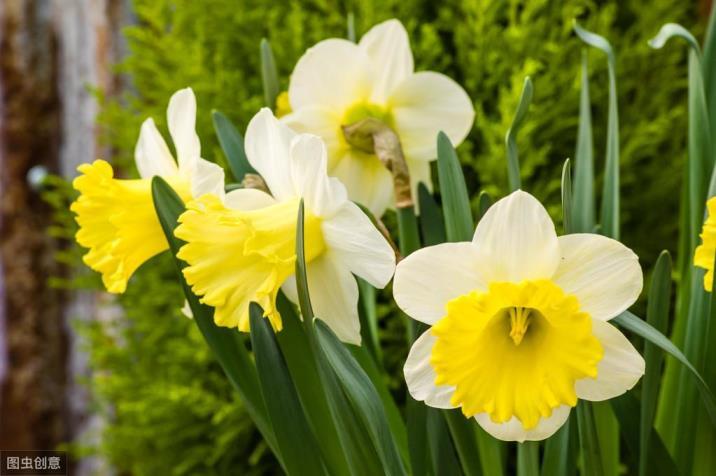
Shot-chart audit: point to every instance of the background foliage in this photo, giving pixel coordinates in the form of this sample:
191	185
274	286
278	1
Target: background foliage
168	405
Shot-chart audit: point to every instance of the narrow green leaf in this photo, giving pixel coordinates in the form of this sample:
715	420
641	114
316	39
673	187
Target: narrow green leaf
464	437
657	315
418	437
513	163
610	193
442	452
456	204
671	30
432	222
556	453
227	344
363	396
491	451
528	458
351	27
304	299
232	143
368	314
269	75
632	323
626	408
584	205
296	442
710	70
589	440
567	197
608	434
484	201
408	234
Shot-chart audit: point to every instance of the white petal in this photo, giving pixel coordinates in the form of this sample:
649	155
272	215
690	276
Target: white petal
186	310
207	177
334	73
151	154
517	239
290	289
355	241
420	376
425	104
388	47
618	371
427	279
248	199
320	121
514	431
334	296
368	182
181	117
322	195
267	145
604	274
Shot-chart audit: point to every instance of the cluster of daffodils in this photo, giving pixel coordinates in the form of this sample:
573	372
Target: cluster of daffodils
519	317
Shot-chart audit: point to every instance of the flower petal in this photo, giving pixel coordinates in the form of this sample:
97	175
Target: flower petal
322	195
514	431
334	73
334	296
517	240
181	117
427	279
420	376
604	274
388	47
207	177
267	148
248	199
151	154
368	182
618	371
320	121
355	241
425	104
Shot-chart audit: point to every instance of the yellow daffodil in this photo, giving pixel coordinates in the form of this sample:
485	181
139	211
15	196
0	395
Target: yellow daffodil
519	321
116	217
706	251
338	83
242	248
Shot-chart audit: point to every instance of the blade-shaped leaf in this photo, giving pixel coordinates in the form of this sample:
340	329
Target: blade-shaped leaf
567	197
528	458
432	222
232	143
484	201
296	442
227	344
556	453
589	440
456	204
465	439
513	162
657	315
583	205
269	74
442	453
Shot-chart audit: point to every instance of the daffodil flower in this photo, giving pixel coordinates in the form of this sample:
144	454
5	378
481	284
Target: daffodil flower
519	321
338	83
116	217
242	249
706	251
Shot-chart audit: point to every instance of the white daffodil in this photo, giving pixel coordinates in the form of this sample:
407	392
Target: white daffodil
338	83
519	321
116	217
242	249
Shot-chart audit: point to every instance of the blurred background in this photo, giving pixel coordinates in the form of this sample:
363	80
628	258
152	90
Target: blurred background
125	383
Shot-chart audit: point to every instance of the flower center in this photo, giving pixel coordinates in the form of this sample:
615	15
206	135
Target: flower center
246	257
515	350
117	222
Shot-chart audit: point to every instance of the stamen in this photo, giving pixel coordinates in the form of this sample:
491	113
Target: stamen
520	318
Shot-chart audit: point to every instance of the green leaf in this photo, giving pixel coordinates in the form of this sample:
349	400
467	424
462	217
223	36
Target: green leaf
632	323
583	205
626	408
556	452
484	201
608	434
464	438
567	197
432	222
297	444
657	315
528	458
304	299
368	315
232	143
491	451
408	234
589	440
513	163
442	453
269	75
709	69
610	192
227	344
456	204
362	396
351	27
